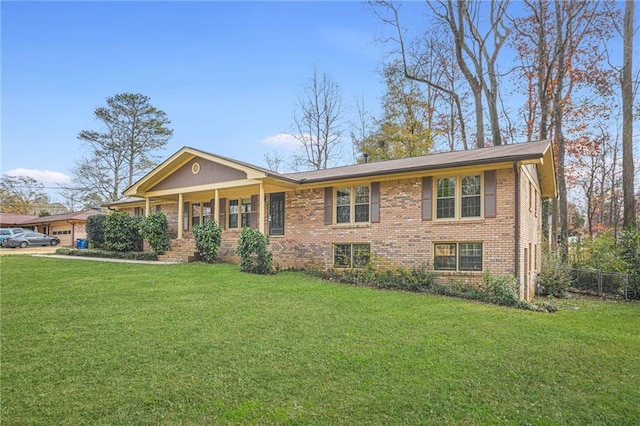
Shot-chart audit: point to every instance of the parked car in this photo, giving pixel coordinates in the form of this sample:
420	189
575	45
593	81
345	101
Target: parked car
9	232
30	239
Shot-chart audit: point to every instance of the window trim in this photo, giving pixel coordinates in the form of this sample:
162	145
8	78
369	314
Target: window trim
352	255
241	215
458	256
352	204
458	196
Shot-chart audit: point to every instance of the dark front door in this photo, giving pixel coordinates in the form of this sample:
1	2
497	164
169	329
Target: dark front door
276	214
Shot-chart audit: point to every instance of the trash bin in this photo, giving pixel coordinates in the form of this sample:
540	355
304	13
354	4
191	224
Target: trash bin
81	243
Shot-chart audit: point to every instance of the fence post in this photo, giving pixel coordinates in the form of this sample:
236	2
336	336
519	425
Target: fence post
599	282
626	285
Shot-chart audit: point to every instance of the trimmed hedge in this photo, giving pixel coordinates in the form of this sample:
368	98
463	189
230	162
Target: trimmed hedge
106	254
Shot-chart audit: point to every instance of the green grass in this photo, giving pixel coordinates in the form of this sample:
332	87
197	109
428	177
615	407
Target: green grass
104	343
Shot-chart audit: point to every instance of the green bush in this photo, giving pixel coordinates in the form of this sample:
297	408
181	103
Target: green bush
155	230
501	290
554	278
94	226
630	254
255	258
416	279
106	254
121	232
208	238
600	252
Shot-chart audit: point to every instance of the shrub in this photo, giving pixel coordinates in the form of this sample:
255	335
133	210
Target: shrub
554	278
630	254
600	252
155	230
254	255
128	255
121	232
208	238
501	290
418	278
94	226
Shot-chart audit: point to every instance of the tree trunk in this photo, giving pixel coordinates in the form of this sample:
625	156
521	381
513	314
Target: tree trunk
629	219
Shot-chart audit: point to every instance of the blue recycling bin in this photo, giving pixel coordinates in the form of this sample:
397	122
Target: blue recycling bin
81	243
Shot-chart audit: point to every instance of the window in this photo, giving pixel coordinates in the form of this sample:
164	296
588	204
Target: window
240	213
352	204
195	214
206	212
351	255
138	211
233	213
468	196
457	256
446	204
246	212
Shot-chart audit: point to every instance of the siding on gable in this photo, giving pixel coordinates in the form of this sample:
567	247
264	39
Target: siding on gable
210	172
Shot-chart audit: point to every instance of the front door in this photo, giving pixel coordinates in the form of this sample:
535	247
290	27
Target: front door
276	214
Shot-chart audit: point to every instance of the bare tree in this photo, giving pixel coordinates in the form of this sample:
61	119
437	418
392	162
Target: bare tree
318	123
22	195
476	55
429	63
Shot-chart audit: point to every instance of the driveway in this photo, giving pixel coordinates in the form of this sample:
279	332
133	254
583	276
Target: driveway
28	250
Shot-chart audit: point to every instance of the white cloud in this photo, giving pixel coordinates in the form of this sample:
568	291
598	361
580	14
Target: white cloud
49	178
282	140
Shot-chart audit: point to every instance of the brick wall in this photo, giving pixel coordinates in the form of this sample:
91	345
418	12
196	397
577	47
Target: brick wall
401	237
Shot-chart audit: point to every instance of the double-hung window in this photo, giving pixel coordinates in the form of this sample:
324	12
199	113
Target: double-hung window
239	213
353	204
457	256
233	214
351	255
458	197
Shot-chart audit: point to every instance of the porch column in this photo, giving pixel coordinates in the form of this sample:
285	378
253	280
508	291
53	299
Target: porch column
180	215
147	206
216	206
261	209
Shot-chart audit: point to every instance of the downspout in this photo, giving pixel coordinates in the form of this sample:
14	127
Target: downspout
517	222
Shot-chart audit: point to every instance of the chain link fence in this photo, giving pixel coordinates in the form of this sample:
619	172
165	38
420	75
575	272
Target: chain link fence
601	283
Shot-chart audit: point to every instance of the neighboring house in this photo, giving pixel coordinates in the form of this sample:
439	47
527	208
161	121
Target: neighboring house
12	220
67	227
462	212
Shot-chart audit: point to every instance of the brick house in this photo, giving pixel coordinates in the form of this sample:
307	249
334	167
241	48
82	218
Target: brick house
463	212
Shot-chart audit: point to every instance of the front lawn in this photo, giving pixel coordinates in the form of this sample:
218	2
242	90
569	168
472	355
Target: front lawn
104	343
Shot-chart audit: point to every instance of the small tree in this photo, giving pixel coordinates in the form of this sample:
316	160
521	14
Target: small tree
94	227
252	249
208	238
121	232
155	230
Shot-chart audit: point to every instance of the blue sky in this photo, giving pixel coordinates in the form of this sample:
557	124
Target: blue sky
226	73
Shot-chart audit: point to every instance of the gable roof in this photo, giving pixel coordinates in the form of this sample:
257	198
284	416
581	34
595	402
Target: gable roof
186	154
539	153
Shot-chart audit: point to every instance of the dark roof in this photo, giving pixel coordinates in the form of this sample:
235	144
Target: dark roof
480	156
77	216
11	219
